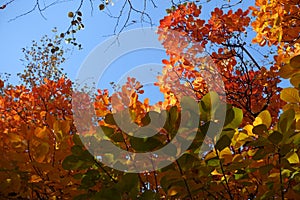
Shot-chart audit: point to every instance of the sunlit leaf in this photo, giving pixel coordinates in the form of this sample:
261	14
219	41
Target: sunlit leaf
263	117
290	95
292	157
295	80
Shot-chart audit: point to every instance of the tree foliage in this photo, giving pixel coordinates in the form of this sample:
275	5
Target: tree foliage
252	154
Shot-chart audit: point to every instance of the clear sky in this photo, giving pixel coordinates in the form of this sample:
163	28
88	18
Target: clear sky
18	33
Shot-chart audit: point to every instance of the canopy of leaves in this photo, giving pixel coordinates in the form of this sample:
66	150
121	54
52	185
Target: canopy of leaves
252	154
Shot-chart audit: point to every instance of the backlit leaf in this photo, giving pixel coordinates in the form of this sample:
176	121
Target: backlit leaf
263	117
295	62
292	157
290	95
223	142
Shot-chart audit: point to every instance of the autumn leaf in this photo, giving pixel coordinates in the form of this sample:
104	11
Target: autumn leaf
290	95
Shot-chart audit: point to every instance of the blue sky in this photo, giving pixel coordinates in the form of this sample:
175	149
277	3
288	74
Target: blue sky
18	33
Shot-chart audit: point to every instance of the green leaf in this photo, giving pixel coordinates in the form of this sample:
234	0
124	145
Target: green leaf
187	161
107	130
146	119
149	195
145	145
189	104
78	176
107	194
237	120
77	140
286	148
297	188
170	179
296	138
292	157
259	142
128	183
210	100
77	150
71	162
275	137
173	114
89	179
239	176
260	130
228	132
171	150
215	162
214	129
82	197
259	154
265	169
286	119
290	95
223	142
229	116
109	119
117	137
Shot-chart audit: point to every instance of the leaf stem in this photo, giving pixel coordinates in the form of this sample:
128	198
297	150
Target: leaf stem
280	177
184	179
106	172
223	172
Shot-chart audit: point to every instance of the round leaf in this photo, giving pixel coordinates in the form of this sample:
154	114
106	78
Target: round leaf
101	7
70	14
290	95
295	80
295	62
263	118
286	71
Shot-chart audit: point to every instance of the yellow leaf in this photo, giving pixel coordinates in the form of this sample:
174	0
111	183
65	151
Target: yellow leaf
295	62
249	128
41	132
16	117
226	151
35	178
274	175
242	136
295	80
210	155
298	124
226	155
41	152
174	190
215	172
43	113
293	158
290	95
263	118
257	121
286	71
238	158
14	137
